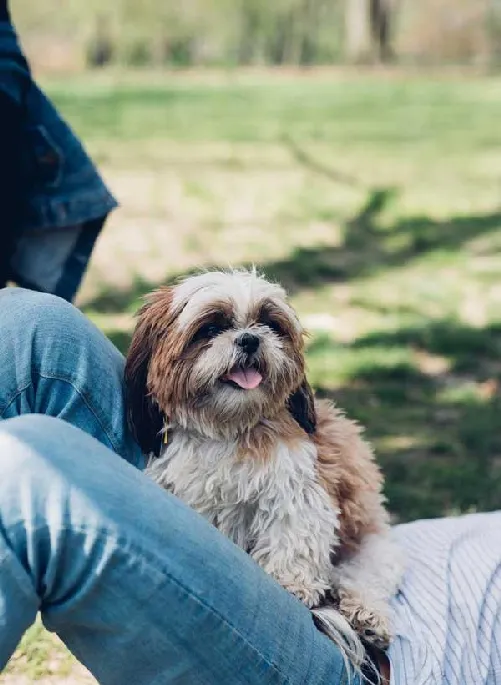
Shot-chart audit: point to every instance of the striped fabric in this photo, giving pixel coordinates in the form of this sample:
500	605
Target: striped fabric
448	613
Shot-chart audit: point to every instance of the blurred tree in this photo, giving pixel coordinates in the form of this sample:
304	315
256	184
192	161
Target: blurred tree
446	31
368	30
381	19
251	22
494	30
100	47
358	39
296	32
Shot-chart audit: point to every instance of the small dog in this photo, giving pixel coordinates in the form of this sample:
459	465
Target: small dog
217	392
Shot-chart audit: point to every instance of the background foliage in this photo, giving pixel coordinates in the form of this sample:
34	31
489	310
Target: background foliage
250	32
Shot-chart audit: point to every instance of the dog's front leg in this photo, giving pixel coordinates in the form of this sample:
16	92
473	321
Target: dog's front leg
293	534
365	584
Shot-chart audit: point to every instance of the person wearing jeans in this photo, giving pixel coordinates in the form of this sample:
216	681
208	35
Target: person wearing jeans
140	587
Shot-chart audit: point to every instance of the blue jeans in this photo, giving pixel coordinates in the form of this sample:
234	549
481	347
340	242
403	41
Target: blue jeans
65	200
138	586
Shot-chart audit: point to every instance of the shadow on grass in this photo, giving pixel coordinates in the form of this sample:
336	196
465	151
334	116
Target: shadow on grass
304	158
367	249
437	434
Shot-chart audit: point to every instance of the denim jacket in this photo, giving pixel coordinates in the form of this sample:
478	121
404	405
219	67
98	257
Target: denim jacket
66	201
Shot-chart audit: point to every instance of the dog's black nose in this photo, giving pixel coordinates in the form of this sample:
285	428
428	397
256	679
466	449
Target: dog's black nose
248	342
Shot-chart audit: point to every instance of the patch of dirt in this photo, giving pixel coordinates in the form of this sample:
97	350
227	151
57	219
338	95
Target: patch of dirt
78	676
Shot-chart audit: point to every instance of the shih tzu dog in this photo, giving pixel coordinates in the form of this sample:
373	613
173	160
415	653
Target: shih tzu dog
218	396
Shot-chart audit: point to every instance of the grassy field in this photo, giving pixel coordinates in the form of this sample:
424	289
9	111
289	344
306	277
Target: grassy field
376	199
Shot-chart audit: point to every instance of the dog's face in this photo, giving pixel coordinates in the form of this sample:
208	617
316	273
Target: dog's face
218	353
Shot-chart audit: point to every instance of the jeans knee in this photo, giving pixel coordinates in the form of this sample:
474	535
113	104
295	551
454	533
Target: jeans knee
22	309
21	296
44	333
17	456
30	445
55	361
41	335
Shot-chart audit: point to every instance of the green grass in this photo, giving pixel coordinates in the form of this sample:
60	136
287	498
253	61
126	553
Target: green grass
40	655
375	199
349	110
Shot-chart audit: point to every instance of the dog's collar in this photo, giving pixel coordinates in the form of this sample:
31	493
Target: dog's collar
165	431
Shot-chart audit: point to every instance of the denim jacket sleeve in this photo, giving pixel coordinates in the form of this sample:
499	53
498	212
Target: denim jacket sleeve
61	186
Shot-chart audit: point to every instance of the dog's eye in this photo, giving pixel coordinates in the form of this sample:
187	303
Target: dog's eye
207	332
212	331
273	325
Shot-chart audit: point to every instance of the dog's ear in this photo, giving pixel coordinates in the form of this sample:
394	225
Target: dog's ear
301	405
143	414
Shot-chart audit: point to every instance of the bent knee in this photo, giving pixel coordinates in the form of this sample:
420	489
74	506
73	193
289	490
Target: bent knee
20	307
18	452
31	441
43	331
15	296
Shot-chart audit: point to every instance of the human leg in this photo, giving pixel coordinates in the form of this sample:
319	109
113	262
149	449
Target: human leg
141	588
54	361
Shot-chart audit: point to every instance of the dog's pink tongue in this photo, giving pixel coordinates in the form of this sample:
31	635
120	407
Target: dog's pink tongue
248	379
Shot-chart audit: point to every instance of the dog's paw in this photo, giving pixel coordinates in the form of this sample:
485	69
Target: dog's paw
307	587
309	596
371	624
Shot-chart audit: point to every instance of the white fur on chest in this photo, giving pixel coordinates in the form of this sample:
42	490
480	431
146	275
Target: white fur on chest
263	505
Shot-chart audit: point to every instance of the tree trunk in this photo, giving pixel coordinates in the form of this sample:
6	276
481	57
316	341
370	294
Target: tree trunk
358	31
368	30
380	18
309	39
249	29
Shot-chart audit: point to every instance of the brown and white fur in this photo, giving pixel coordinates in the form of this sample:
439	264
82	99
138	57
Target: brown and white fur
287	478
